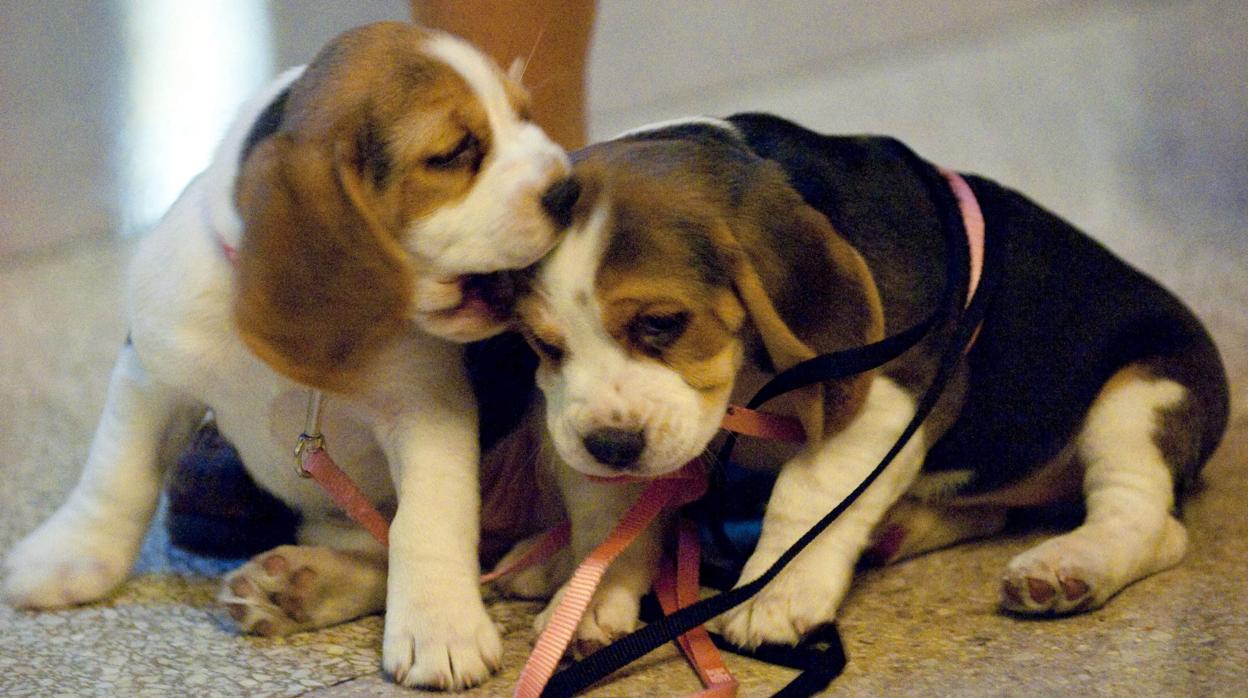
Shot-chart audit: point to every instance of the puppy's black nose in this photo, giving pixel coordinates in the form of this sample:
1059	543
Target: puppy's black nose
617	448
559	200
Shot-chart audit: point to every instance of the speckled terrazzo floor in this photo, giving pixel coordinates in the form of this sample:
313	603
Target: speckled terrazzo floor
925	627
1124	116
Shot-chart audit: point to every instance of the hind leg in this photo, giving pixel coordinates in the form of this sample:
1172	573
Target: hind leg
913	527
86	548
1129	532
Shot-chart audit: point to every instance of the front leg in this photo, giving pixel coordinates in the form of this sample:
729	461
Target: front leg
88	546
594	509
808	591
437	632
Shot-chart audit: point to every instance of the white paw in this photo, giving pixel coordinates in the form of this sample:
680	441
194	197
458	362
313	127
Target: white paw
800	599
1061	575
68	561
441	640
611	614
270	595
293	588
1081	570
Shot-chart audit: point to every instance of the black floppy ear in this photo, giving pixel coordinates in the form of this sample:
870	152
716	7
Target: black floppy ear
807	291
322	287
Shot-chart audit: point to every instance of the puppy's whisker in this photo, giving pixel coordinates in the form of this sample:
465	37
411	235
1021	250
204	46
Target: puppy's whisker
535	86
711	457
529	58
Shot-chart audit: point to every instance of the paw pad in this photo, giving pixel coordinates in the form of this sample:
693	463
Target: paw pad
275	564
1039	590
270	596
1031	595
1074	588
242	587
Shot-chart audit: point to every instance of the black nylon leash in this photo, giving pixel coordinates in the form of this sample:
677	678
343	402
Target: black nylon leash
841	364
822	666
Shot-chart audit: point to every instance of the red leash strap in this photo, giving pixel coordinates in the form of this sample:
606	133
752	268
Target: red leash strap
340	488
764	425
320	467
676	587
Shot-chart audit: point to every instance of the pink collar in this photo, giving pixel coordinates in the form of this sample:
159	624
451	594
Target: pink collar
230	251
973	221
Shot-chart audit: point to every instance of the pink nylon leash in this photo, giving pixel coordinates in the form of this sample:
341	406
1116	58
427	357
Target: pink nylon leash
973	222
676	586
763	425
352	501
685	486
345	494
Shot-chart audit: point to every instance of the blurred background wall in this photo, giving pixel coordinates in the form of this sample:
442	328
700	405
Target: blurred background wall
1126	116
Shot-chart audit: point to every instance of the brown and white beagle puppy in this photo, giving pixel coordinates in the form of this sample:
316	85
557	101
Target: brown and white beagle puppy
705	255
338	239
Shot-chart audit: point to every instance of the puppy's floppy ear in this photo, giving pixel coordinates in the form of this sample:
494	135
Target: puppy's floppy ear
806	290
783	347
321	285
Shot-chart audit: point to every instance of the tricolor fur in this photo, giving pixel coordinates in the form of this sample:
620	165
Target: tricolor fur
704	256
363	195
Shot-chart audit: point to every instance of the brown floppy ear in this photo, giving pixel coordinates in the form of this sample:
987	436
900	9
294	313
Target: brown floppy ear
783	347
322	286
807	291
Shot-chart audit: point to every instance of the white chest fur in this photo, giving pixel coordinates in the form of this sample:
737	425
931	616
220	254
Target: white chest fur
179	303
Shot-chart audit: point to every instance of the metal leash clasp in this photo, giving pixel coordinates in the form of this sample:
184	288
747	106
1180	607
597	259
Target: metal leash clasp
311	440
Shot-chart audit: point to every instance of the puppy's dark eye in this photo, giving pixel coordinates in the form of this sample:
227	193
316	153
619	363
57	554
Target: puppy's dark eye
465	155
658	332
548	351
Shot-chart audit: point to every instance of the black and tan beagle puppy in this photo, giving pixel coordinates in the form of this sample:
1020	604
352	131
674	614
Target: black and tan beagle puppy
705	255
